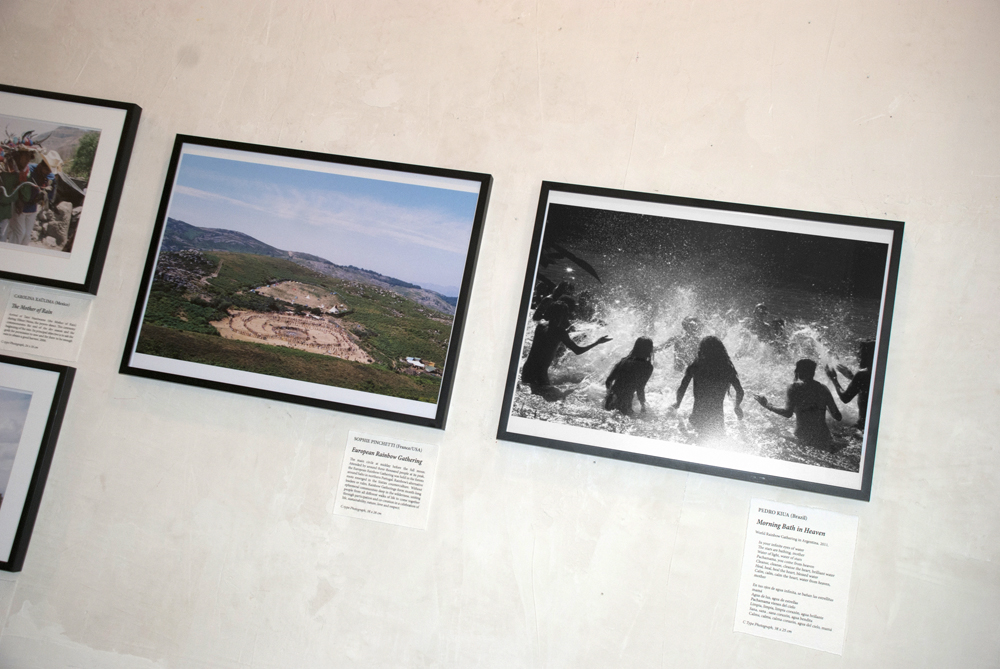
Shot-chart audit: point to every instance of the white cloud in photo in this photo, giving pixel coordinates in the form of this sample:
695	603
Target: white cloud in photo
413	232
358	215
354	214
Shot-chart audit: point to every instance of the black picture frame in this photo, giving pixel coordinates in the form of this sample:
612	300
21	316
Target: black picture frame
354	332
774	286
33	397
66	242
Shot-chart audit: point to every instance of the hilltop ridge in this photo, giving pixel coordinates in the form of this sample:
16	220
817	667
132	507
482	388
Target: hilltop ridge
179	236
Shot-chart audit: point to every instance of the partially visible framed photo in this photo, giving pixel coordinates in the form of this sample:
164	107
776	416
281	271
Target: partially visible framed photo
33	398
727	339
63	164
325	280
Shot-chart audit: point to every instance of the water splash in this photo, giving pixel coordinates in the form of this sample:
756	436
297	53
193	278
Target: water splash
654	303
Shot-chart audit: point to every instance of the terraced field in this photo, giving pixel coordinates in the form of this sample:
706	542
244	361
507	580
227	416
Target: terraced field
240	302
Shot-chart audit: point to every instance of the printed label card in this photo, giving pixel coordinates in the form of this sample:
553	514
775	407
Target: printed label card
43	322
796	578
387	480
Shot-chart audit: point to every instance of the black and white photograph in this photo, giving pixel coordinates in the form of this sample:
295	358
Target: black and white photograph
33	398
63	161
321	279
727	339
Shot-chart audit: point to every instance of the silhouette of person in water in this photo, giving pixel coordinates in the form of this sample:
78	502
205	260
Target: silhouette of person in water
548	335
808	400
860	382
713	373
770	332
685	344
629	377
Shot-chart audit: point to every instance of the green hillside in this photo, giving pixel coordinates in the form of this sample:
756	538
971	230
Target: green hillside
392	326
243	271
186	297
285	363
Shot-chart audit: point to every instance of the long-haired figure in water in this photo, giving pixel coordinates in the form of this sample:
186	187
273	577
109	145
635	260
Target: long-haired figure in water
713	374
628	378
808	400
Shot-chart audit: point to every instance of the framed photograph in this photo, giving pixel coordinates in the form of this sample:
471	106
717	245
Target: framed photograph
325	280
33	399
727	339
63	160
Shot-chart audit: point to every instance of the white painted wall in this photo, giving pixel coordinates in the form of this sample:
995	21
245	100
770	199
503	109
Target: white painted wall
189	528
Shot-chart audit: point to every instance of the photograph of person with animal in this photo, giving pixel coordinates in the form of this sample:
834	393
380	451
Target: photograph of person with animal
729	303
330	280
63	163
44	173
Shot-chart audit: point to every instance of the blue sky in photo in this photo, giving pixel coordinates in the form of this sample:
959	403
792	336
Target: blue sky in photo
414	233
13	412
16	126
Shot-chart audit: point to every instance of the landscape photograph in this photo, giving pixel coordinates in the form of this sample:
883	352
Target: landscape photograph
309	271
